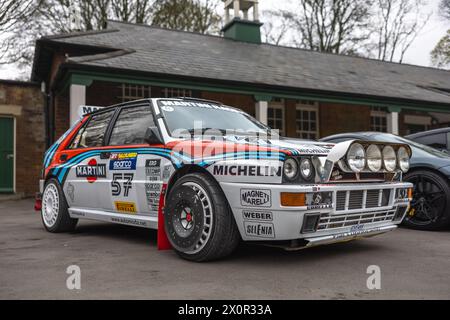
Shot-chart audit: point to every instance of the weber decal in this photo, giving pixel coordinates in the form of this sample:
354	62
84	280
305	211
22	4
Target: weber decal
250	171
91	171
256	198
257	215
126	207
259	229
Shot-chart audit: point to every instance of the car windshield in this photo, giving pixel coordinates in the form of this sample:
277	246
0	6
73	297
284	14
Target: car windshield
419	150
186	116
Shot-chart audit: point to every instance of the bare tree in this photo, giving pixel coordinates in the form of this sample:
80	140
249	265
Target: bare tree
396	25
275	27
440	56
188	15
444	9
329	25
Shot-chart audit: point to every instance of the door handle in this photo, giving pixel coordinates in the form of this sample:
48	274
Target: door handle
63	158
105	155
10	156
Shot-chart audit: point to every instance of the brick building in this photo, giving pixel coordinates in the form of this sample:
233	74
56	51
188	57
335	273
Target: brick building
22	136
302	93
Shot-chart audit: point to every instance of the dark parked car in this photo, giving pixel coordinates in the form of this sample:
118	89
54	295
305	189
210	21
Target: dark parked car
430	174
437	138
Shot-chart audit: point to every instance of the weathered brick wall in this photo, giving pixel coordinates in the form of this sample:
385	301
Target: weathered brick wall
61	113
30	133
338	118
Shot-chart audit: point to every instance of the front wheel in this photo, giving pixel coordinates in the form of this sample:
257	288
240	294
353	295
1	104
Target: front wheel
431	201
54	211
198	220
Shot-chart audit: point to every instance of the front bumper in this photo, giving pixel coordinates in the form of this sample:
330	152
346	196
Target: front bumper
268	220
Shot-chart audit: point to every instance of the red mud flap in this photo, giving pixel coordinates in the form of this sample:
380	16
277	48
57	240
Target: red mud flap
38	202
163	242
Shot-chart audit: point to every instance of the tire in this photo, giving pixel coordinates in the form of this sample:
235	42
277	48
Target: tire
198	220
54	212
431	195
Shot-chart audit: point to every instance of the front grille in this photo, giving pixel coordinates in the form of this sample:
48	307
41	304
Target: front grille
361	199
328	221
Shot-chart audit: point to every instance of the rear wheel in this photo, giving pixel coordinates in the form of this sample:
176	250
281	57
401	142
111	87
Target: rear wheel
198	221
54	211
431	201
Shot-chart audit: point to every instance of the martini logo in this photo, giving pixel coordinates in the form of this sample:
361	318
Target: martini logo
91	171
255	198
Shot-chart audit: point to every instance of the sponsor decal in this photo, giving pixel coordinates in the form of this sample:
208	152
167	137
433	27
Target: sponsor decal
91	171
126	207
153	169
256	198
165	103
259	229
84	110
71	191
123	161
168	108
129	221
250	171
319	200
257	215
78	213
121	181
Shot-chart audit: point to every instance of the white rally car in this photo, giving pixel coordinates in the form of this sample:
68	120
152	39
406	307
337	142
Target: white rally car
207	175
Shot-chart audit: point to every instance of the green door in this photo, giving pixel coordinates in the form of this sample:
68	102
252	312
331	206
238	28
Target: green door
6	155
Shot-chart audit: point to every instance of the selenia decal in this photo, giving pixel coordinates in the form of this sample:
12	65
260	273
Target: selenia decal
256	198
259	229
91	171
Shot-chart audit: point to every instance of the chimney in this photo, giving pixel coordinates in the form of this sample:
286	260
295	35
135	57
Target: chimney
240	27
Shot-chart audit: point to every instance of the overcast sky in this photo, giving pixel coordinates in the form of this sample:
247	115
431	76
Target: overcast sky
419	52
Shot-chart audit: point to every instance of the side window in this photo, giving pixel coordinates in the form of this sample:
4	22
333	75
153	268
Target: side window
131	125
93	133
438	141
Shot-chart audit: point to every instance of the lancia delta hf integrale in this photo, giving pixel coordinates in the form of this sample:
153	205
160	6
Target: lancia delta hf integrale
206	175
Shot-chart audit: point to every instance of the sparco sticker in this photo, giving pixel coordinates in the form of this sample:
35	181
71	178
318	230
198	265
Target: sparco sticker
256	198
259	229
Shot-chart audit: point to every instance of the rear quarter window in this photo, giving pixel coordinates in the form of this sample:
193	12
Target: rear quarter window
93	132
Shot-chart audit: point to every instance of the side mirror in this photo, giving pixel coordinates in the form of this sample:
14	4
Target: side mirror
152	136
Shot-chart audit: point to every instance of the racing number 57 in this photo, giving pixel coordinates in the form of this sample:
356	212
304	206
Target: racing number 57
126	184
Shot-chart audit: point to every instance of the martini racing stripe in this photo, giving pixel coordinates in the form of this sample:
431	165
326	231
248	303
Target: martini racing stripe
62	170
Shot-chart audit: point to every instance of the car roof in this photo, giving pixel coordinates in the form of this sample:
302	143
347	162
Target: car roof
359	135
139	102
428	132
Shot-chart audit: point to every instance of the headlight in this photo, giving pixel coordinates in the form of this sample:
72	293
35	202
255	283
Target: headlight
306	169
374	160
290	168
389	158
403	159
356	157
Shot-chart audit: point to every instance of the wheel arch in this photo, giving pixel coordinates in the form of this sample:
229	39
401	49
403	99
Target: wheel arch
426	168
187	169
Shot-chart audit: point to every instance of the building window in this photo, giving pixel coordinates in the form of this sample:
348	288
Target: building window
307	120
132	92
176	92
275	115
416	123
378	119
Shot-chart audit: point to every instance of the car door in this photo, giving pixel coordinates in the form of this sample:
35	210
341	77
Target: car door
134	165
86	185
